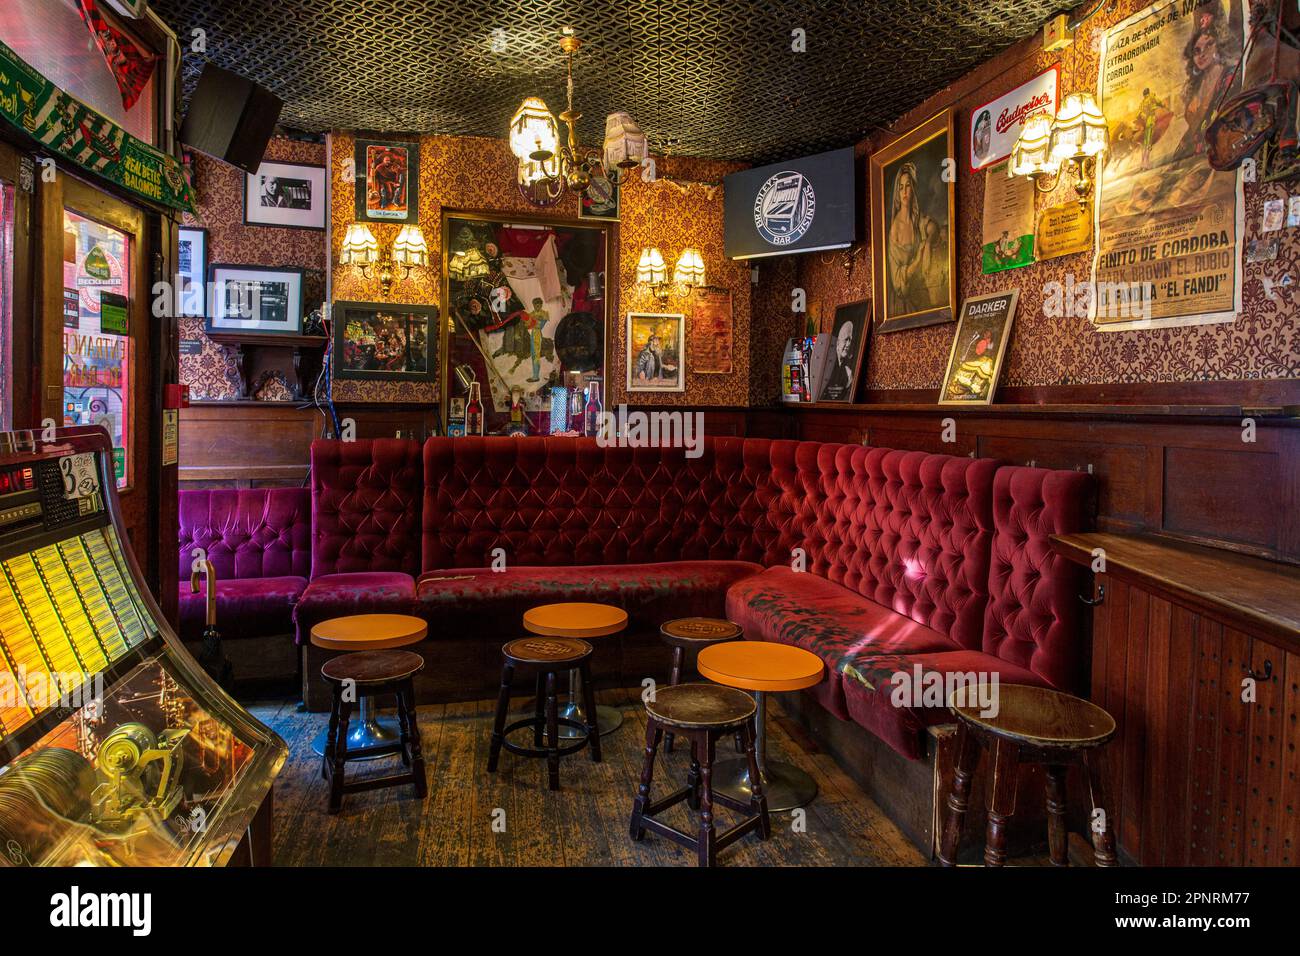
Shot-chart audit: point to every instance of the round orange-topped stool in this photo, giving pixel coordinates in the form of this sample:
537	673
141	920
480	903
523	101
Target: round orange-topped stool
583	621
763	667
367	632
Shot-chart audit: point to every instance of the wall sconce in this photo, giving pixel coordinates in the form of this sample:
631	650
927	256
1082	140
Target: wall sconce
361	251
1072	140
652	272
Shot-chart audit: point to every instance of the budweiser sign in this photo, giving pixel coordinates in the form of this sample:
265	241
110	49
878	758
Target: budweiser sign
995	126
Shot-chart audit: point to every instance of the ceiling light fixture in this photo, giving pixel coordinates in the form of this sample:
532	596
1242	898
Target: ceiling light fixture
550	162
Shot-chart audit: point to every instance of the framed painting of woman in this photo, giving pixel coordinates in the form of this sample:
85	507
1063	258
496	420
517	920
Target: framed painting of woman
913	195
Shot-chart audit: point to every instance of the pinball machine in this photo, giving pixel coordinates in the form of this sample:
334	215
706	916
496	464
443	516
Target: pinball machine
116	748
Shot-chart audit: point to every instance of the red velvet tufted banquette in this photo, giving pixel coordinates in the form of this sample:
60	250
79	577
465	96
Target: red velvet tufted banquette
259	543
875	559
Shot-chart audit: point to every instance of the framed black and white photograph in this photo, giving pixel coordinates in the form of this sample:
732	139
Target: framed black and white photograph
288	195
191	272
261	299
384	341
849	335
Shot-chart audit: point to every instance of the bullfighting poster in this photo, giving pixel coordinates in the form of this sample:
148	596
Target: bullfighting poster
1168	226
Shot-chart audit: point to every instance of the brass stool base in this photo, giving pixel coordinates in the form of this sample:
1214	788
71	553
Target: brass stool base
786	787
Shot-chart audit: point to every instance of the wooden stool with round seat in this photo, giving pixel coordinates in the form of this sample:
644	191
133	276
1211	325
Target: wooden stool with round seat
702	713
763	667
583	621
548	657
365	675
693	634
1032	725
367	632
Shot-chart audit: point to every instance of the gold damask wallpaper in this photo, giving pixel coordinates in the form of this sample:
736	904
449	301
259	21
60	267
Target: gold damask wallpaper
478	175
1263	343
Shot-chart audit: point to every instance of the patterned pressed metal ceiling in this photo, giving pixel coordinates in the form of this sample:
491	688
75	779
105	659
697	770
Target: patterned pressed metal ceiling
714	78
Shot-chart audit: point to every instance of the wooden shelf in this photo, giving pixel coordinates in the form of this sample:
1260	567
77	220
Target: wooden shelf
1274	414
1250	594
268	340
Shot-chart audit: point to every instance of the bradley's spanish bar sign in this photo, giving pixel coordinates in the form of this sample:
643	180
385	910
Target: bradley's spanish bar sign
69	128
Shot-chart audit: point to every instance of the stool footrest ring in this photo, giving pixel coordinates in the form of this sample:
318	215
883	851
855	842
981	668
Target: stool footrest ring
532	722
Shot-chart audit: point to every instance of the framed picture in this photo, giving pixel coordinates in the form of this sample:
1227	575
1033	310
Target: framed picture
656	352
600	200
383	341
849	335
913	196
289	195
388	181
526	307
261	299
711	332
978	348
191	272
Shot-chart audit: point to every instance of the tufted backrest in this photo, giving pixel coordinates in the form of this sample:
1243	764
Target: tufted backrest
252	533
1033	611
567	501
365	506
909	530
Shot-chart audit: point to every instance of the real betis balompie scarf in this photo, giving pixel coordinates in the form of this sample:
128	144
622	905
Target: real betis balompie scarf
132	67
73	130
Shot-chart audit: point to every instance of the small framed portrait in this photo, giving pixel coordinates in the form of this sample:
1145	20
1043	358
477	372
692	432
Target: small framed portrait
191	272
288	195
978	348
261	299
600	200
913	199
388	181
383	341
656	352
843	363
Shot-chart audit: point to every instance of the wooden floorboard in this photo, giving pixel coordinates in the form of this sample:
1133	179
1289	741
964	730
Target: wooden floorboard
583	824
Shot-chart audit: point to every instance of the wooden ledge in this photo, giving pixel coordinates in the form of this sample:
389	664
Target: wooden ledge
1249	594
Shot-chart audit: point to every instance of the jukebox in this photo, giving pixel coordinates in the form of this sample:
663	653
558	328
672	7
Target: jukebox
116	748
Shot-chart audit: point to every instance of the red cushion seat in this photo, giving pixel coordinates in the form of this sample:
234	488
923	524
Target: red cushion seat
358	592
458	601
830	620
246	607
869	686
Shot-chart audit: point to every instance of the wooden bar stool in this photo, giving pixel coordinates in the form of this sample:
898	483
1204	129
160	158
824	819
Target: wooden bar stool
702	713
367	632
694	634
1032	725
582	621
762	667
548	656
365	675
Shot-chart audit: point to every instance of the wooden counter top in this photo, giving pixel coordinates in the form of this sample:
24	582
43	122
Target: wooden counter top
1250	594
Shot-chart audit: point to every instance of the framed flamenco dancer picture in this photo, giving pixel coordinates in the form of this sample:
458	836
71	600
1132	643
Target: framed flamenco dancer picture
388	181
913	198
526	306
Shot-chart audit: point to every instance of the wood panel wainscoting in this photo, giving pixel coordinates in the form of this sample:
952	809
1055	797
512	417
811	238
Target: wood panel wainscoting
1196	654
267	444
1223	476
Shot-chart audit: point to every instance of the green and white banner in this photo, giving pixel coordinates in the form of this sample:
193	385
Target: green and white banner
74	131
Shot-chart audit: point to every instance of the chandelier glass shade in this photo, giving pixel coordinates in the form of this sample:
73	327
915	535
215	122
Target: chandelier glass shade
533	133
625	144
1032	153
466	265
1079	131
1072	140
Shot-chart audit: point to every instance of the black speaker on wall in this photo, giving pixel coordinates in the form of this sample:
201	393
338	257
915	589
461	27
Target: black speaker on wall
231	118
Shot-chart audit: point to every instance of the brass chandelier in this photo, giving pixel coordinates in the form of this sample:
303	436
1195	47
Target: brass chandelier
549	164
